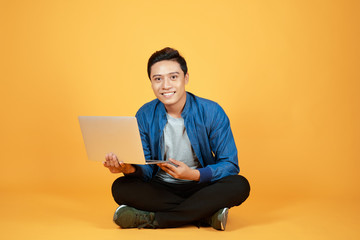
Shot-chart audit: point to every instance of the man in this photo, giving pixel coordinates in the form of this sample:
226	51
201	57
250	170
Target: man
201	182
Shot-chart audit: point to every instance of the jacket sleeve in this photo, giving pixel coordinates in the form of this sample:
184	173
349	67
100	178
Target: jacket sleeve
223	146
144	171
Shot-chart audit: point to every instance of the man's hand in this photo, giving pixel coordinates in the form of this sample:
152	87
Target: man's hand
113	164
180	170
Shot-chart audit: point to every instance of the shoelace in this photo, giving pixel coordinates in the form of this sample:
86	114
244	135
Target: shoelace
144	221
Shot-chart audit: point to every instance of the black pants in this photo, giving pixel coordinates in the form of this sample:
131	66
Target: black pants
178	204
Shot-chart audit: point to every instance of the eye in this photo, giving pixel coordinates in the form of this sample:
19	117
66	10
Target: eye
157	79
173	77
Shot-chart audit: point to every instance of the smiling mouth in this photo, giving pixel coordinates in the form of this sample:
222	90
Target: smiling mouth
168	94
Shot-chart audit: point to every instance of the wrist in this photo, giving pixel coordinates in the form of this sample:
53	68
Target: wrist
130	169
196	175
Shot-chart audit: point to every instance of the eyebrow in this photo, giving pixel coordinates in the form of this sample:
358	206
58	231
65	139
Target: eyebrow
158	75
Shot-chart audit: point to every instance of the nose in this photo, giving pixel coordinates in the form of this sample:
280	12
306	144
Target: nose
166	83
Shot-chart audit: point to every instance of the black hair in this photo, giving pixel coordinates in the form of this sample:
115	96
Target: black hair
167	54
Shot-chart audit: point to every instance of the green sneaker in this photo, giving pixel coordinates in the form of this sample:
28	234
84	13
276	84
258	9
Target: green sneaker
129	217
219	219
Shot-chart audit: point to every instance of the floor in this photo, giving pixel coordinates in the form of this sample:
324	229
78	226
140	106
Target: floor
81	215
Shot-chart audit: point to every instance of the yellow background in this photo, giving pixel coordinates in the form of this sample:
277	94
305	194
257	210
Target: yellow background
286	72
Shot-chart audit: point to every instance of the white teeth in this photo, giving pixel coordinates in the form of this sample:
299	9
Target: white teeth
168	94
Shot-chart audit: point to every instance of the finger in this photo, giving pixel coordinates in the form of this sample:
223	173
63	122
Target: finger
114	160
172	173
167	170
112	163
111	156
107	157
170	167
116	163
174	161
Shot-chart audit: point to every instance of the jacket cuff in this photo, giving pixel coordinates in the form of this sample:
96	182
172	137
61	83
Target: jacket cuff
205	174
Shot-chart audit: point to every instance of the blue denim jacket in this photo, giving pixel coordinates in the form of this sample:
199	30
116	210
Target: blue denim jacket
209	132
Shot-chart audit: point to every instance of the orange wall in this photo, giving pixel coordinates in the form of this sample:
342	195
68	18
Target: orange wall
286	72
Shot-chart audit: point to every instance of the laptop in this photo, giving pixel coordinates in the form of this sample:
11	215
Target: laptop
119	135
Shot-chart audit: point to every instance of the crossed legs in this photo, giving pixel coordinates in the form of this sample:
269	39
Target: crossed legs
179	204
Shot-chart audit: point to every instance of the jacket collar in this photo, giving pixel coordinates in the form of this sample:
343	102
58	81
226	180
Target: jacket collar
187	105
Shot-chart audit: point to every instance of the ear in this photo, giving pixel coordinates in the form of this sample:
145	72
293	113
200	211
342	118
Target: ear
186	78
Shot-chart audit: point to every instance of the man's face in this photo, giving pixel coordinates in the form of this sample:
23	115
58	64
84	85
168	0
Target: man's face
168	83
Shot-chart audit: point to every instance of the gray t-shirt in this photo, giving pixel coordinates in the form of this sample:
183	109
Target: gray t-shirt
176	145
